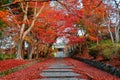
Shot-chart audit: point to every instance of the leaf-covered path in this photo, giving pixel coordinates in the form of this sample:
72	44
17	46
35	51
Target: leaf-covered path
70	69
60	69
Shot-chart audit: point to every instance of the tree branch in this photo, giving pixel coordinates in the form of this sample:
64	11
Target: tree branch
14	17
25	1
98	4
33	22
117	4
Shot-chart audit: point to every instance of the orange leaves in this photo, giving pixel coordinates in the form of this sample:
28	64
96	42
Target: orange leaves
93	38
50	31
94	12
76	39
80	13
93	33
53	23
15	1
3	14
33	4
94	8
38	4
45	33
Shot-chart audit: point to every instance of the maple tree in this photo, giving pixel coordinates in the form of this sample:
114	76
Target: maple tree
53	26
27	17
94	12
21	22
38	24
41	23
90	24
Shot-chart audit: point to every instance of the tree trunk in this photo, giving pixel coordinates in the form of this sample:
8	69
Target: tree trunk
111	35
117	34
31	53
37	53
11	52
116	39
19	51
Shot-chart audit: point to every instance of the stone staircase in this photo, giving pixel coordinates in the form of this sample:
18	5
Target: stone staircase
59	71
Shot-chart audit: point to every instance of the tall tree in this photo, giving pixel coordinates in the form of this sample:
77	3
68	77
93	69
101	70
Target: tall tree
94	12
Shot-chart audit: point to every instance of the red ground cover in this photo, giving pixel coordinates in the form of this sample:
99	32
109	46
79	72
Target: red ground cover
94	73
114	62
29	73
7	64
33	72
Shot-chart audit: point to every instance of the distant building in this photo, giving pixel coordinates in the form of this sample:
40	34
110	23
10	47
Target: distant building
61	52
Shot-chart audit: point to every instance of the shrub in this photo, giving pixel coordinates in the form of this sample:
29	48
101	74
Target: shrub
7	56
95	50
105	48
107	53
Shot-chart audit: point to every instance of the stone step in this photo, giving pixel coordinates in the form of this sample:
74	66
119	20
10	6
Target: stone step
58	70
60	67
59	74
60	79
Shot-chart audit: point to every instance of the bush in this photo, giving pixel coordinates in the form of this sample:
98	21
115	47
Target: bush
105	48
95	50
53	54
107	53
1	56
7	56
13	56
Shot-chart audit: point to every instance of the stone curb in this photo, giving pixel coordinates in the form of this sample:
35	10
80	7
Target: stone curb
100	65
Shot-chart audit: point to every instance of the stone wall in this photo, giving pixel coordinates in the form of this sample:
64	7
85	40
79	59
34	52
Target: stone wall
102	66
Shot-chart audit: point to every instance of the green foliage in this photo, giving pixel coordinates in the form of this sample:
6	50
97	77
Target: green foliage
0	34
3	2
13	56
6	1
105	48
108	53
95	50
2	24
105	42
53	54
7	56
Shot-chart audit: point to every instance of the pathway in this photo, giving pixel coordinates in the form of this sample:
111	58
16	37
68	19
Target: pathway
59	71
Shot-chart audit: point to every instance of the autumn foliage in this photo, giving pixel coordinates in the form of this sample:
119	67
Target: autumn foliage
7	64
42	23
31	72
